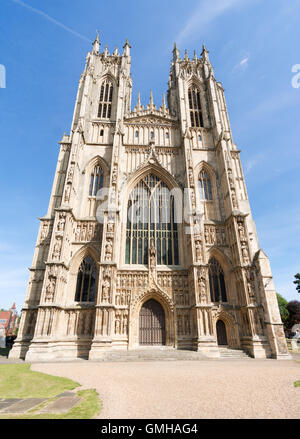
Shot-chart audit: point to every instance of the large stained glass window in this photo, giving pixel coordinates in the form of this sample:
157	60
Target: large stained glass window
151	218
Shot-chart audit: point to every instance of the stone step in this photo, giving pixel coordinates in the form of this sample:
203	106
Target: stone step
233	353
152	355
166	354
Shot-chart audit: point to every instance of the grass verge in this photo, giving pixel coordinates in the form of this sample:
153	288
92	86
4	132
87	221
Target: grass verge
18	381
297	383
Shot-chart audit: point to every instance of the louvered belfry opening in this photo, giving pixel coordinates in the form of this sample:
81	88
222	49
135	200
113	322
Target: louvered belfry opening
152	324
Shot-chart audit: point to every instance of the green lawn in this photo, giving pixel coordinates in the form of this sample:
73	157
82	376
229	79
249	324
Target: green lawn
297	383
18	381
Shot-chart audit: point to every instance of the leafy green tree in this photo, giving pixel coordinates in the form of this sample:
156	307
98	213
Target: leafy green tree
297	282
294	310
284	312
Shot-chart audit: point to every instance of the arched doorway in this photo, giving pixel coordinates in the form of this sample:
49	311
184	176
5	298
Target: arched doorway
152	324
221	333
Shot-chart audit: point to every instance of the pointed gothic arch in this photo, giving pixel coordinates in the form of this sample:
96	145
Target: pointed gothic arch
154	293
96	177
85	251
94	161
86	285
154	167
203	170
231	327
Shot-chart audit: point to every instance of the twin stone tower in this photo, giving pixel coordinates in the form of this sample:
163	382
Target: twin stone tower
149	238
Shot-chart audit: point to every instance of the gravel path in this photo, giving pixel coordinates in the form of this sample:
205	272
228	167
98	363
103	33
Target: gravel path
189	389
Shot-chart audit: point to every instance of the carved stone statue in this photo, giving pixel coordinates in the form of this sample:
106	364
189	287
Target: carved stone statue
245	254
202	289
50	289
56	249
152	255
44	231
234	199
61	222
241	230
117	323
108	250
198	247
67	193
105	290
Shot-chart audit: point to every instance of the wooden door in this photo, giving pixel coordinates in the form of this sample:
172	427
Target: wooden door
152	324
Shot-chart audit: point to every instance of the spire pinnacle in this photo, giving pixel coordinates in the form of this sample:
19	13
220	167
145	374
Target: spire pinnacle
139	100
205	53
126	48
164	103
195	56
96	43
151	99
105	50
175	52
186	55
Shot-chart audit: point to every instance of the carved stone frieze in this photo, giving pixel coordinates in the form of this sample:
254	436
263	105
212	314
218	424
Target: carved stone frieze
86	231
215	235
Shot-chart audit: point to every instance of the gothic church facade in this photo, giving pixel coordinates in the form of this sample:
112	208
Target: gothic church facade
168	255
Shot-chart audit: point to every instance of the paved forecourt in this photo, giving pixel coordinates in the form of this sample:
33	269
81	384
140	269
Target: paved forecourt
188	389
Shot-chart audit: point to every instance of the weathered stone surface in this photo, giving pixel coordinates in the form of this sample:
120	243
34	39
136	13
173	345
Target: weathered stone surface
67	394
5	403
61	405
23	405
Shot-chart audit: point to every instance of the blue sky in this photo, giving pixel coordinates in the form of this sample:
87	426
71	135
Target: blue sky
253	45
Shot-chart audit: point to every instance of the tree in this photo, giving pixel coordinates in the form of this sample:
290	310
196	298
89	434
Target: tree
294	310
297	282
284	312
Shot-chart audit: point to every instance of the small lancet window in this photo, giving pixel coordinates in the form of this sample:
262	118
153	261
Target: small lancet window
101	133
96	181
86	281
167	135
106	95
195	107
205	186
152	135
216	281
136	134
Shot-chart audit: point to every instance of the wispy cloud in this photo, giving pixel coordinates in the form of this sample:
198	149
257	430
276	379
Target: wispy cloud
242	65
53	20
253	162
203	16
274	103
